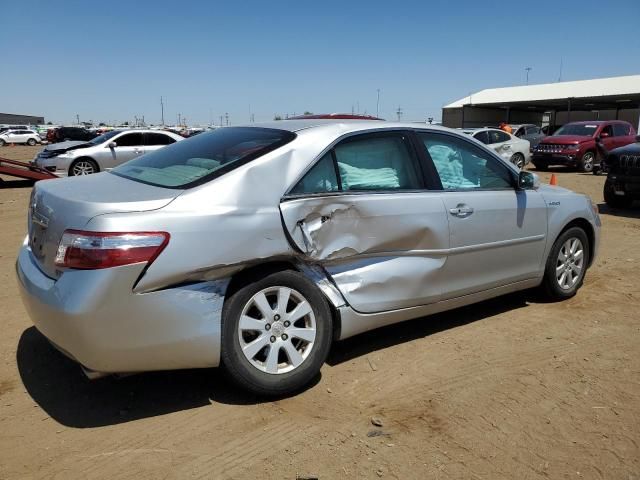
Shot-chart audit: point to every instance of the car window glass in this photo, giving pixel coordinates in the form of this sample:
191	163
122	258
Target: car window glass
482	136
129	140
620	129
533	130
462	165
376	163
158	139
321	178
608	130
519	132
496	136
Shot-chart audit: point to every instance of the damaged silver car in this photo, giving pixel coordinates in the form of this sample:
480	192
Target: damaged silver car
256	247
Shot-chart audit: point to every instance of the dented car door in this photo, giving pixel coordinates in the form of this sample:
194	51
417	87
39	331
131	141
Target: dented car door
364	214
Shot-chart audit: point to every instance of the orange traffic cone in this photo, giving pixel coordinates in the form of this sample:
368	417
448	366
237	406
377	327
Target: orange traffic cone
554	180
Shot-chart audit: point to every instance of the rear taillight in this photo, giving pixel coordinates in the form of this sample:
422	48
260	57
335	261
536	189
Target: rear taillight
94	250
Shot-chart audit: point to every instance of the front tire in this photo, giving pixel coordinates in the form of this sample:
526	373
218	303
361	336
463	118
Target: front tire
31	142
567	264
586	163
2	143
83	166
518	160
276	334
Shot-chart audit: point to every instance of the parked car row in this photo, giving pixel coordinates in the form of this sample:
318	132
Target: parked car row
19	136
508	146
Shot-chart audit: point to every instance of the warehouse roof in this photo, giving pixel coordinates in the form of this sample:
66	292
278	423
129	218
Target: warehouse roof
599	87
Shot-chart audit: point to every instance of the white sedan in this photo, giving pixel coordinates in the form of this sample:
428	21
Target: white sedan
511	148
19	136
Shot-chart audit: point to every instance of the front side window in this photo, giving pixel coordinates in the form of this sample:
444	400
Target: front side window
620	130
203	157
608	130
533	130
129	140
463	166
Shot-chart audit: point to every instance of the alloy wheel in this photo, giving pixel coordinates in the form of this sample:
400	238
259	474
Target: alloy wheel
277	330
587	162
83	168
569	263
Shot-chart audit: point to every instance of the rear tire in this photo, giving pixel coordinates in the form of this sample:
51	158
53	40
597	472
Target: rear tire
83	166
613	200
2	143
287	352
518	160
586	163
567	264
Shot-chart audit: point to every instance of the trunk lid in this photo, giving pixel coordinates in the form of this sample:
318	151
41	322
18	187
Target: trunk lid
69	203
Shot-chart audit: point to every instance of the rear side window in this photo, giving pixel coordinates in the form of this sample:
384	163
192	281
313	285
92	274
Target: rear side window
496	136
482	136
620	130
463	166
368	162
199	159
157	139
321	178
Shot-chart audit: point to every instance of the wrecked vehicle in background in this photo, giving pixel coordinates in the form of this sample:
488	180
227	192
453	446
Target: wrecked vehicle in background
255	247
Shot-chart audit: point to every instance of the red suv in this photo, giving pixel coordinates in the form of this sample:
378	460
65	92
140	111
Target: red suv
575	144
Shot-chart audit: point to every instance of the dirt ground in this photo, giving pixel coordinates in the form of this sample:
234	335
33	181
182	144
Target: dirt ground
513	388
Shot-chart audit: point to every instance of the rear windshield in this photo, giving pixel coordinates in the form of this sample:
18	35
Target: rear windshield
201	158
577	129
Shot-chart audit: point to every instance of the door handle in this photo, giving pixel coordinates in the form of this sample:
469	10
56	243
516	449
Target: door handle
461	210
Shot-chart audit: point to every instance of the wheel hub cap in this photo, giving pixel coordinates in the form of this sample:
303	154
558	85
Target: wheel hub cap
569	263
277	330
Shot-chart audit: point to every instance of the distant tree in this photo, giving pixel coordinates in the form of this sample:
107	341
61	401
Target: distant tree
277	117
102	124
126	123
307	112
49	123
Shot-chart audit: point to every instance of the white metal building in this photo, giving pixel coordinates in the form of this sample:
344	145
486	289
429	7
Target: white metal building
615	98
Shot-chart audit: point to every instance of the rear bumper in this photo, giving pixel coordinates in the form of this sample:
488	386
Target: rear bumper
94	317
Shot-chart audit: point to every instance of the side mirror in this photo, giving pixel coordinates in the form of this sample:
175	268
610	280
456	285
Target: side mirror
112	145
604	135
528	181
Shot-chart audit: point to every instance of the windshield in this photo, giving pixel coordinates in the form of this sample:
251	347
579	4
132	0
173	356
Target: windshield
104	137
203	157
580	129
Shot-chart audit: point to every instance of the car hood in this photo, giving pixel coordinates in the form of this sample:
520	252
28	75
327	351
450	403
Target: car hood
566	139
66	146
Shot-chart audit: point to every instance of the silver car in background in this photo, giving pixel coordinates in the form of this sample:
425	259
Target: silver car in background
102	153
255	247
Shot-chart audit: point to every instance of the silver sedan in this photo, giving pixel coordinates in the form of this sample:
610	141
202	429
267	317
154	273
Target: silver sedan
256	247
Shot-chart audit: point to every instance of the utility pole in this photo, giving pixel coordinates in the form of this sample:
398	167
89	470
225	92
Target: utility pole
358	106
560	76
162	110
378	104
399	113
221	120
77	119
226	118
210	116
179	122
253	118
528	69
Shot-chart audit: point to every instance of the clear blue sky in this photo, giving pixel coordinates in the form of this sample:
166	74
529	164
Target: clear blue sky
112	60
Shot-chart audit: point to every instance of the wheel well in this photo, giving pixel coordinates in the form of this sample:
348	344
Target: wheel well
256	272
588	230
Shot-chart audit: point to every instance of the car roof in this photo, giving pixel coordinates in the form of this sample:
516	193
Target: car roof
345	126
482	129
